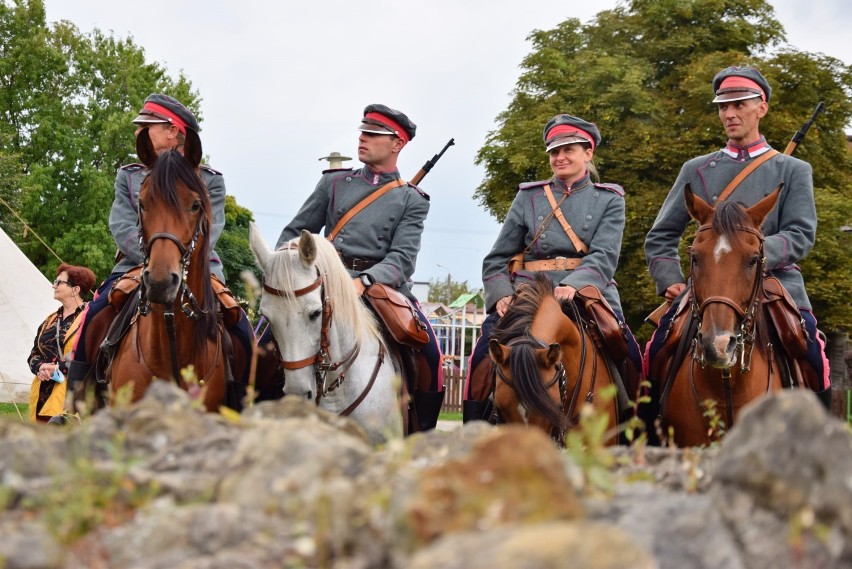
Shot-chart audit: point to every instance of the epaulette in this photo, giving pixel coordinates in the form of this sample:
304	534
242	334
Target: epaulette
333	170
614	188
419	191
531	185
210	170
133	167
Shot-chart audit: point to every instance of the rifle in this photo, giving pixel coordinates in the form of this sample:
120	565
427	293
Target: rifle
429	163
800	134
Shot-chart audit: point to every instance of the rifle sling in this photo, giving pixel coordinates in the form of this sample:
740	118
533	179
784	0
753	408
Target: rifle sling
557	211
745	173
362	204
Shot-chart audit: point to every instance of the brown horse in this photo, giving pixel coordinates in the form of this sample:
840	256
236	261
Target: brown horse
176	324
545	362
733	362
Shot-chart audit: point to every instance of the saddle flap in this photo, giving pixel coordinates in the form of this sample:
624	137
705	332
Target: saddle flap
398	314
124	286
603	316
782	312
227	301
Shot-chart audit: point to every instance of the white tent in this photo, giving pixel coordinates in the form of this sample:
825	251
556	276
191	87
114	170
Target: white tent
26	298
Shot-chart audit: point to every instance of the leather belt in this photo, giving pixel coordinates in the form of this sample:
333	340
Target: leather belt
559	264
357	264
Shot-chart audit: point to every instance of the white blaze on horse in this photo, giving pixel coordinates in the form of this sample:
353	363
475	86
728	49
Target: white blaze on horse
329	343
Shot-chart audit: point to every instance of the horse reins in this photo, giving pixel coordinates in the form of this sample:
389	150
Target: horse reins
322	360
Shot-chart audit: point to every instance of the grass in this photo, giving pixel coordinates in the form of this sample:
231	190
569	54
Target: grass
9	409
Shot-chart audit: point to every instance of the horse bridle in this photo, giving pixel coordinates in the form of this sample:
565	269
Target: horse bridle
746	333
322	360
188	302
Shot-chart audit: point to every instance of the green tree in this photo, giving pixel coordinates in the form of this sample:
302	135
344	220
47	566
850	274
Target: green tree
447	290
67	101
642	72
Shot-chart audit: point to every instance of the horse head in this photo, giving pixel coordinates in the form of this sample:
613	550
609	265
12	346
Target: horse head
312	307
527	349
174	220
726	271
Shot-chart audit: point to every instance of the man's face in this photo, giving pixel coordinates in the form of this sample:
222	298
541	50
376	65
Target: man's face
377	149
163	135
741	119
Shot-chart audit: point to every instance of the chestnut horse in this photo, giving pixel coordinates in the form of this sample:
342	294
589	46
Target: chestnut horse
176	324
733	362
547	365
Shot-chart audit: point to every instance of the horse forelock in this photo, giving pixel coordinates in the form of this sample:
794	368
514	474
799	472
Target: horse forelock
519	317
728	218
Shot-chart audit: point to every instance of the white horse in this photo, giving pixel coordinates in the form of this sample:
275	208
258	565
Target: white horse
330	347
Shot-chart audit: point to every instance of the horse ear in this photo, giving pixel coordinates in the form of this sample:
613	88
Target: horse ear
192	148
307	248
498	353
554	354
761	209
699	210
258	246
145	148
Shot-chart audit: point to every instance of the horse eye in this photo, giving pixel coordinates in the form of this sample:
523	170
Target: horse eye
314	315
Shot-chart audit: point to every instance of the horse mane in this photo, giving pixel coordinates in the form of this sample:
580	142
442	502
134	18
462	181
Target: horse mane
513	330
728	218
170	168
348	307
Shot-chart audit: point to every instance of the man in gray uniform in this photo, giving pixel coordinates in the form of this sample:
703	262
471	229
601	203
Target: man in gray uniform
380	244
166	120
742	98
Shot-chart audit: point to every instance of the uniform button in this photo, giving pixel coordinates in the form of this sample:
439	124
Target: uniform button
713	164
540	218
588	217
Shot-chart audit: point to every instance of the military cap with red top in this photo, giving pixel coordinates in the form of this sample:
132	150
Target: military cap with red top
379	119
565	129
159	108
740	83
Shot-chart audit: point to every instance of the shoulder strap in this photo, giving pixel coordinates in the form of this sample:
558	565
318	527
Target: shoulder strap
745	172
557	211
362	204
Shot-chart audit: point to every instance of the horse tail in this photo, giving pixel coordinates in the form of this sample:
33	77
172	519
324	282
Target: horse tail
528	384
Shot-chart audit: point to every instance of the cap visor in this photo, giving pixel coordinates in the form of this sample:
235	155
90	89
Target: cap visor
735	96
148	119
572	139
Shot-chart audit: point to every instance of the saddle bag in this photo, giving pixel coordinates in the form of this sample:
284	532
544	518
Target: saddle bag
603	322
398	314
784	315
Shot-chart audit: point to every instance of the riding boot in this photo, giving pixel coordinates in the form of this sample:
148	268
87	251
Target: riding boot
428	404
824	397
474	410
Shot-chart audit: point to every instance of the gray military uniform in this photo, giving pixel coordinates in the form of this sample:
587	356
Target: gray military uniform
388	231
790	228
123	217
596	214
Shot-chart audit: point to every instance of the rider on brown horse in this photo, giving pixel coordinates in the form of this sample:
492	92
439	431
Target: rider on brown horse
167	121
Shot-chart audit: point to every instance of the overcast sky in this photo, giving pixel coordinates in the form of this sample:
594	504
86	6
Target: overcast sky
285	83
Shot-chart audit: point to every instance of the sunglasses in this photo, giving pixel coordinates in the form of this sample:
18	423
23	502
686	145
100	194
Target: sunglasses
58	282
